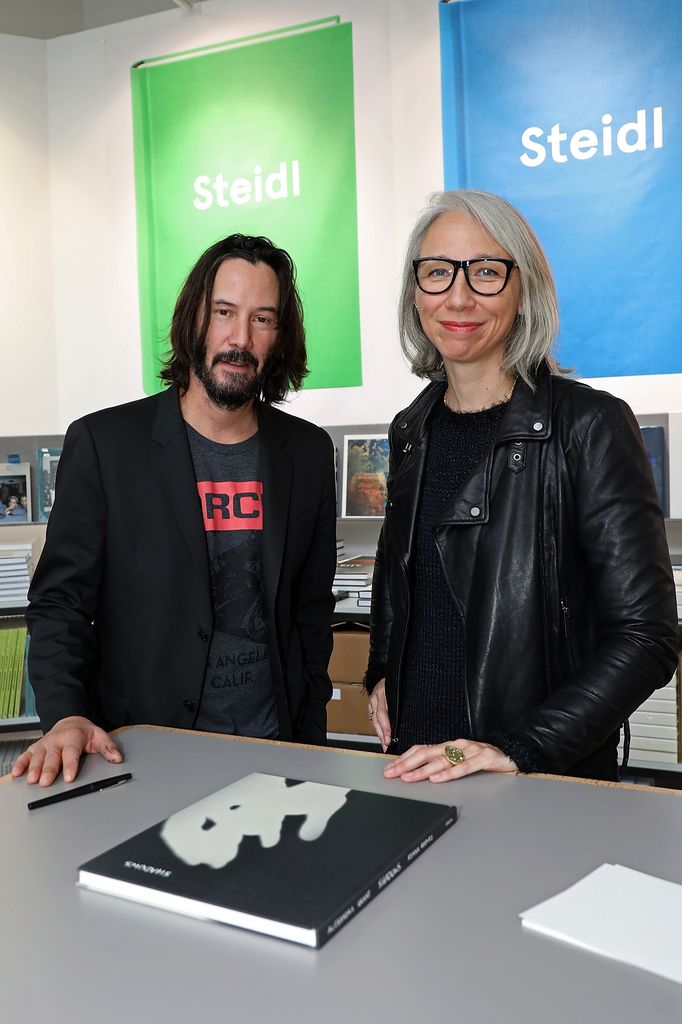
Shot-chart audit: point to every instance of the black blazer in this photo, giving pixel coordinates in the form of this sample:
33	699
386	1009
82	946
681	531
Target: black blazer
120	611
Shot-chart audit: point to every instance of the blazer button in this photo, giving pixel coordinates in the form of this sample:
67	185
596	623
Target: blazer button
389	504
189	704
203	635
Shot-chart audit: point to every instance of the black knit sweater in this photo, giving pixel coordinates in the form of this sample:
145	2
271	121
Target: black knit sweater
433	700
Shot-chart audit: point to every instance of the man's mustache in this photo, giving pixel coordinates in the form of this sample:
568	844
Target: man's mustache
236	357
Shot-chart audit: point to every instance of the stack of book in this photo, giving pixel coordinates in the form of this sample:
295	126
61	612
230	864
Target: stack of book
12	663
15	574
354	575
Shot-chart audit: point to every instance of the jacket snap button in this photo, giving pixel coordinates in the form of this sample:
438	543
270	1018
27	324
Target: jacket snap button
475	511
516	456
402	424
389	504
537	425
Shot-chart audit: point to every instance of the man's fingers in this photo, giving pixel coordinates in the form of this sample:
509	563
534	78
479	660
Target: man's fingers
70	759
36	755
102	743
52	765
21	765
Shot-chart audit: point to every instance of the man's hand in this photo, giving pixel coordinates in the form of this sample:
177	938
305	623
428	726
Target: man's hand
60	749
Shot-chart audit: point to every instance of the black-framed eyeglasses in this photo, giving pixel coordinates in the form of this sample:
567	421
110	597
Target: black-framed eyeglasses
485	276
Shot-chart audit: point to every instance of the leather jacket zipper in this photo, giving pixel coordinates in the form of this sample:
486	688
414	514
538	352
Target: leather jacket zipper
568	635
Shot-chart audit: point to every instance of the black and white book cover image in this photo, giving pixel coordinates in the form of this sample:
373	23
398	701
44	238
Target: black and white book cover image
292	859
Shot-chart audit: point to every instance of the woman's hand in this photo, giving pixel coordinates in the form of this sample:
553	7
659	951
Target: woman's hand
429	762
377	711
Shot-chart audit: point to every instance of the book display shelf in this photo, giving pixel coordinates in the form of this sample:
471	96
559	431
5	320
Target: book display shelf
20	547
27	474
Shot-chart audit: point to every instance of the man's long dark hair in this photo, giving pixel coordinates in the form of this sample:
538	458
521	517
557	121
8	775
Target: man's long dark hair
286	365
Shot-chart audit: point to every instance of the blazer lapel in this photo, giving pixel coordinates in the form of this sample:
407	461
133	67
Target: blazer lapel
277	471
171	460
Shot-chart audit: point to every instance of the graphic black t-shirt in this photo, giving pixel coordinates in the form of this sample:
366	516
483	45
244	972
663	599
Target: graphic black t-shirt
238	695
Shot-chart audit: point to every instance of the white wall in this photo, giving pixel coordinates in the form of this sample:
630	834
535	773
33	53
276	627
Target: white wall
95	334
28	384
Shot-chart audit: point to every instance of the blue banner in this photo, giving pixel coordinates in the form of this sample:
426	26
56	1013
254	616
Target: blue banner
572	110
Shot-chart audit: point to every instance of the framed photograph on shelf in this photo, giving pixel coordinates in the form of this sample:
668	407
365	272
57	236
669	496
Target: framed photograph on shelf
365	469
15	493
47	460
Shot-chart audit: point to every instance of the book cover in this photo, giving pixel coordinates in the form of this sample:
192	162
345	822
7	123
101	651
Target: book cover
294	178
365	471
574	119
288	858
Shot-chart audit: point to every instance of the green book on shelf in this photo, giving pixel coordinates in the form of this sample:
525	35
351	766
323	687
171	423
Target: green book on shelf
29	695
5	636
19	652
10	655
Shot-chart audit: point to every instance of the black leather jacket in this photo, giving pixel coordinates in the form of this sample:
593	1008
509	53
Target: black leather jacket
555	553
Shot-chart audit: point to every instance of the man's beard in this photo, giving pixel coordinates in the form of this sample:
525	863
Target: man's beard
234	390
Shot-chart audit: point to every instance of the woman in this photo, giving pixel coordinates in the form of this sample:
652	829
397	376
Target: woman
523	603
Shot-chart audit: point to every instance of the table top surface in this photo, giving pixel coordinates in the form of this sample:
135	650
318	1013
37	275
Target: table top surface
444	938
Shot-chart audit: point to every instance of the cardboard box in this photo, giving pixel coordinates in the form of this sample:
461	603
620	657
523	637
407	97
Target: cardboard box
348	662
347	710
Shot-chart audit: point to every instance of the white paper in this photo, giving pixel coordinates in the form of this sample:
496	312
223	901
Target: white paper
619	913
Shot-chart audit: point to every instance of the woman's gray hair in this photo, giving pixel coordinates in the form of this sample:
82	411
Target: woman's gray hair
533	332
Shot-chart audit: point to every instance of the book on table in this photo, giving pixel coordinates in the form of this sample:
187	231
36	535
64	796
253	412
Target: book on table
288	858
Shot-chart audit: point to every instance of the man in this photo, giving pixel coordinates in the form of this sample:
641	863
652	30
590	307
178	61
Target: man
206	603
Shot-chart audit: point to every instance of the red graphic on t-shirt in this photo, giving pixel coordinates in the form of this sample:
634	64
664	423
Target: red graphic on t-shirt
230	505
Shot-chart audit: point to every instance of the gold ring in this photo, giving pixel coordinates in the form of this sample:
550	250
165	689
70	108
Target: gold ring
370	715
453	754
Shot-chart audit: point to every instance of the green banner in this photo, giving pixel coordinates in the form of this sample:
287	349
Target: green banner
256	136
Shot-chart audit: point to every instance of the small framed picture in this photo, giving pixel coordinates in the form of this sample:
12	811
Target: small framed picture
47	460
365	469
15	493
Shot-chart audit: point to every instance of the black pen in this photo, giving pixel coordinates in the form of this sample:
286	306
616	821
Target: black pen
89	787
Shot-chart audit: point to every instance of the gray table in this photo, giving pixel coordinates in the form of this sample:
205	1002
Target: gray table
443	942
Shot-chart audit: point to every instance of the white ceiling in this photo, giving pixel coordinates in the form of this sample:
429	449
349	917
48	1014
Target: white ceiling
45	19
